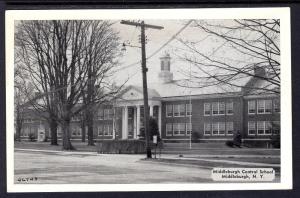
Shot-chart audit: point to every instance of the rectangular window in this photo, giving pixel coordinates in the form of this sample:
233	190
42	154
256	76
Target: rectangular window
268	128
176	110
276	127
76	131
206	109
169	130
106	114
251	128
107	130
260	128
175	129
229	128
229	108
110	114
188	128
188	109
179	110
215	108
260	106
100	114
100	130
221	128
276	105
207	129
182	128
221	108
251	107
215	128
268	106
169	110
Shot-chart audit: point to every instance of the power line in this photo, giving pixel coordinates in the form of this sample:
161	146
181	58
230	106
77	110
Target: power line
159	49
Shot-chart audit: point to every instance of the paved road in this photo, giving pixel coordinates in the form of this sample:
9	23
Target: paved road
62	167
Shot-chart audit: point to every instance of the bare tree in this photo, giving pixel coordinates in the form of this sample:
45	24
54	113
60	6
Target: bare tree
20	100
236	49
66	60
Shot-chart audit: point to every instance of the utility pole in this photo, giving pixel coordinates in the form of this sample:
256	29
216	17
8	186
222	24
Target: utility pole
144	72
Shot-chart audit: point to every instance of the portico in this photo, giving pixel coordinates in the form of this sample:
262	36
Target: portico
131	106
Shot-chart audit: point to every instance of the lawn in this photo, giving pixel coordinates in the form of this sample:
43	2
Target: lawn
80	146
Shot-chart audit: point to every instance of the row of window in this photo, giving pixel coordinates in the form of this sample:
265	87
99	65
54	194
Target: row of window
105	114
218	128
178	129
179	110
105	130
218	108
263	106
263	128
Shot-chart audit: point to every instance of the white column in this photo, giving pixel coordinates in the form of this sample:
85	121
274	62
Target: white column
125	122
159	119
113	124
134	123
138	119
151	110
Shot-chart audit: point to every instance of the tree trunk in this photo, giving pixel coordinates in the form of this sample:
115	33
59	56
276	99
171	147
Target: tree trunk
67	145
83	131
90	129
18	133
53	131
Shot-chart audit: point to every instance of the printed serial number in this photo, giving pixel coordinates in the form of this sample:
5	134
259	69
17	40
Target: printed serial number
27	179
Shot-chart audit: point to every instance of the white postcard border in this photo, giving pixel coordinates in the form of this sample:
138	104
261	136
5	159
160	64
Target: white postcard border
229	13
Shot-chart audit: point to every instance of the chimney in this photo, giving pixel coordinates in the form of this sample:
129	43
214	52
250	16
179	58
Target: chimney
165	75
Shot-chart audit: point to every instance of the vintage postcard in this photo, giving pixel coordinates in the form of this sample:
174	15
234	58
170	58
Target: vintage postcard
148	100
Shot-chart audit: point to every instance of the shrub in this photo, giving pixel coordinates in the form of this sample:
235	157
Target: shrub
195	136
229	143
122	146
275	141
32	137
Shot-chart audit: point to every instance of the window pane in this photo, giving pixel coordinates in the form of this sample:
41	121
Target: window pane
215	128
221	128
276	104
229	128
182	109
222	108
188	128
251	106
260	127
251	128
207	129
189	109
268	127
176	110
206	108
169	110
182	129
276	127
215	108
176	129
268	106
229	108
169	131
260	106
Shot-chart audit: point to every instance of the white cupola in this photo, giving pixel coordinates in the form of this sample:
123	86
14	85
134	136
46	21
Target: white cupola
165	75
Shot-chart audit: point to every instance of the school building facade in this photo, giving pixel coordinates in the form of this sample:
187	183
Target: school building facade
212	113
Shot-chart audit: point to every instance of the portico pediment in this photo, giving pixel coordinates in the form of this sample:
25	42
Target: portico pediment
132	94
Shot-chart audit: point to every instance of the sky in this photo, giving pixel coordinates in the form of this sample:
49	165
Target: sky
155	39
206	43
